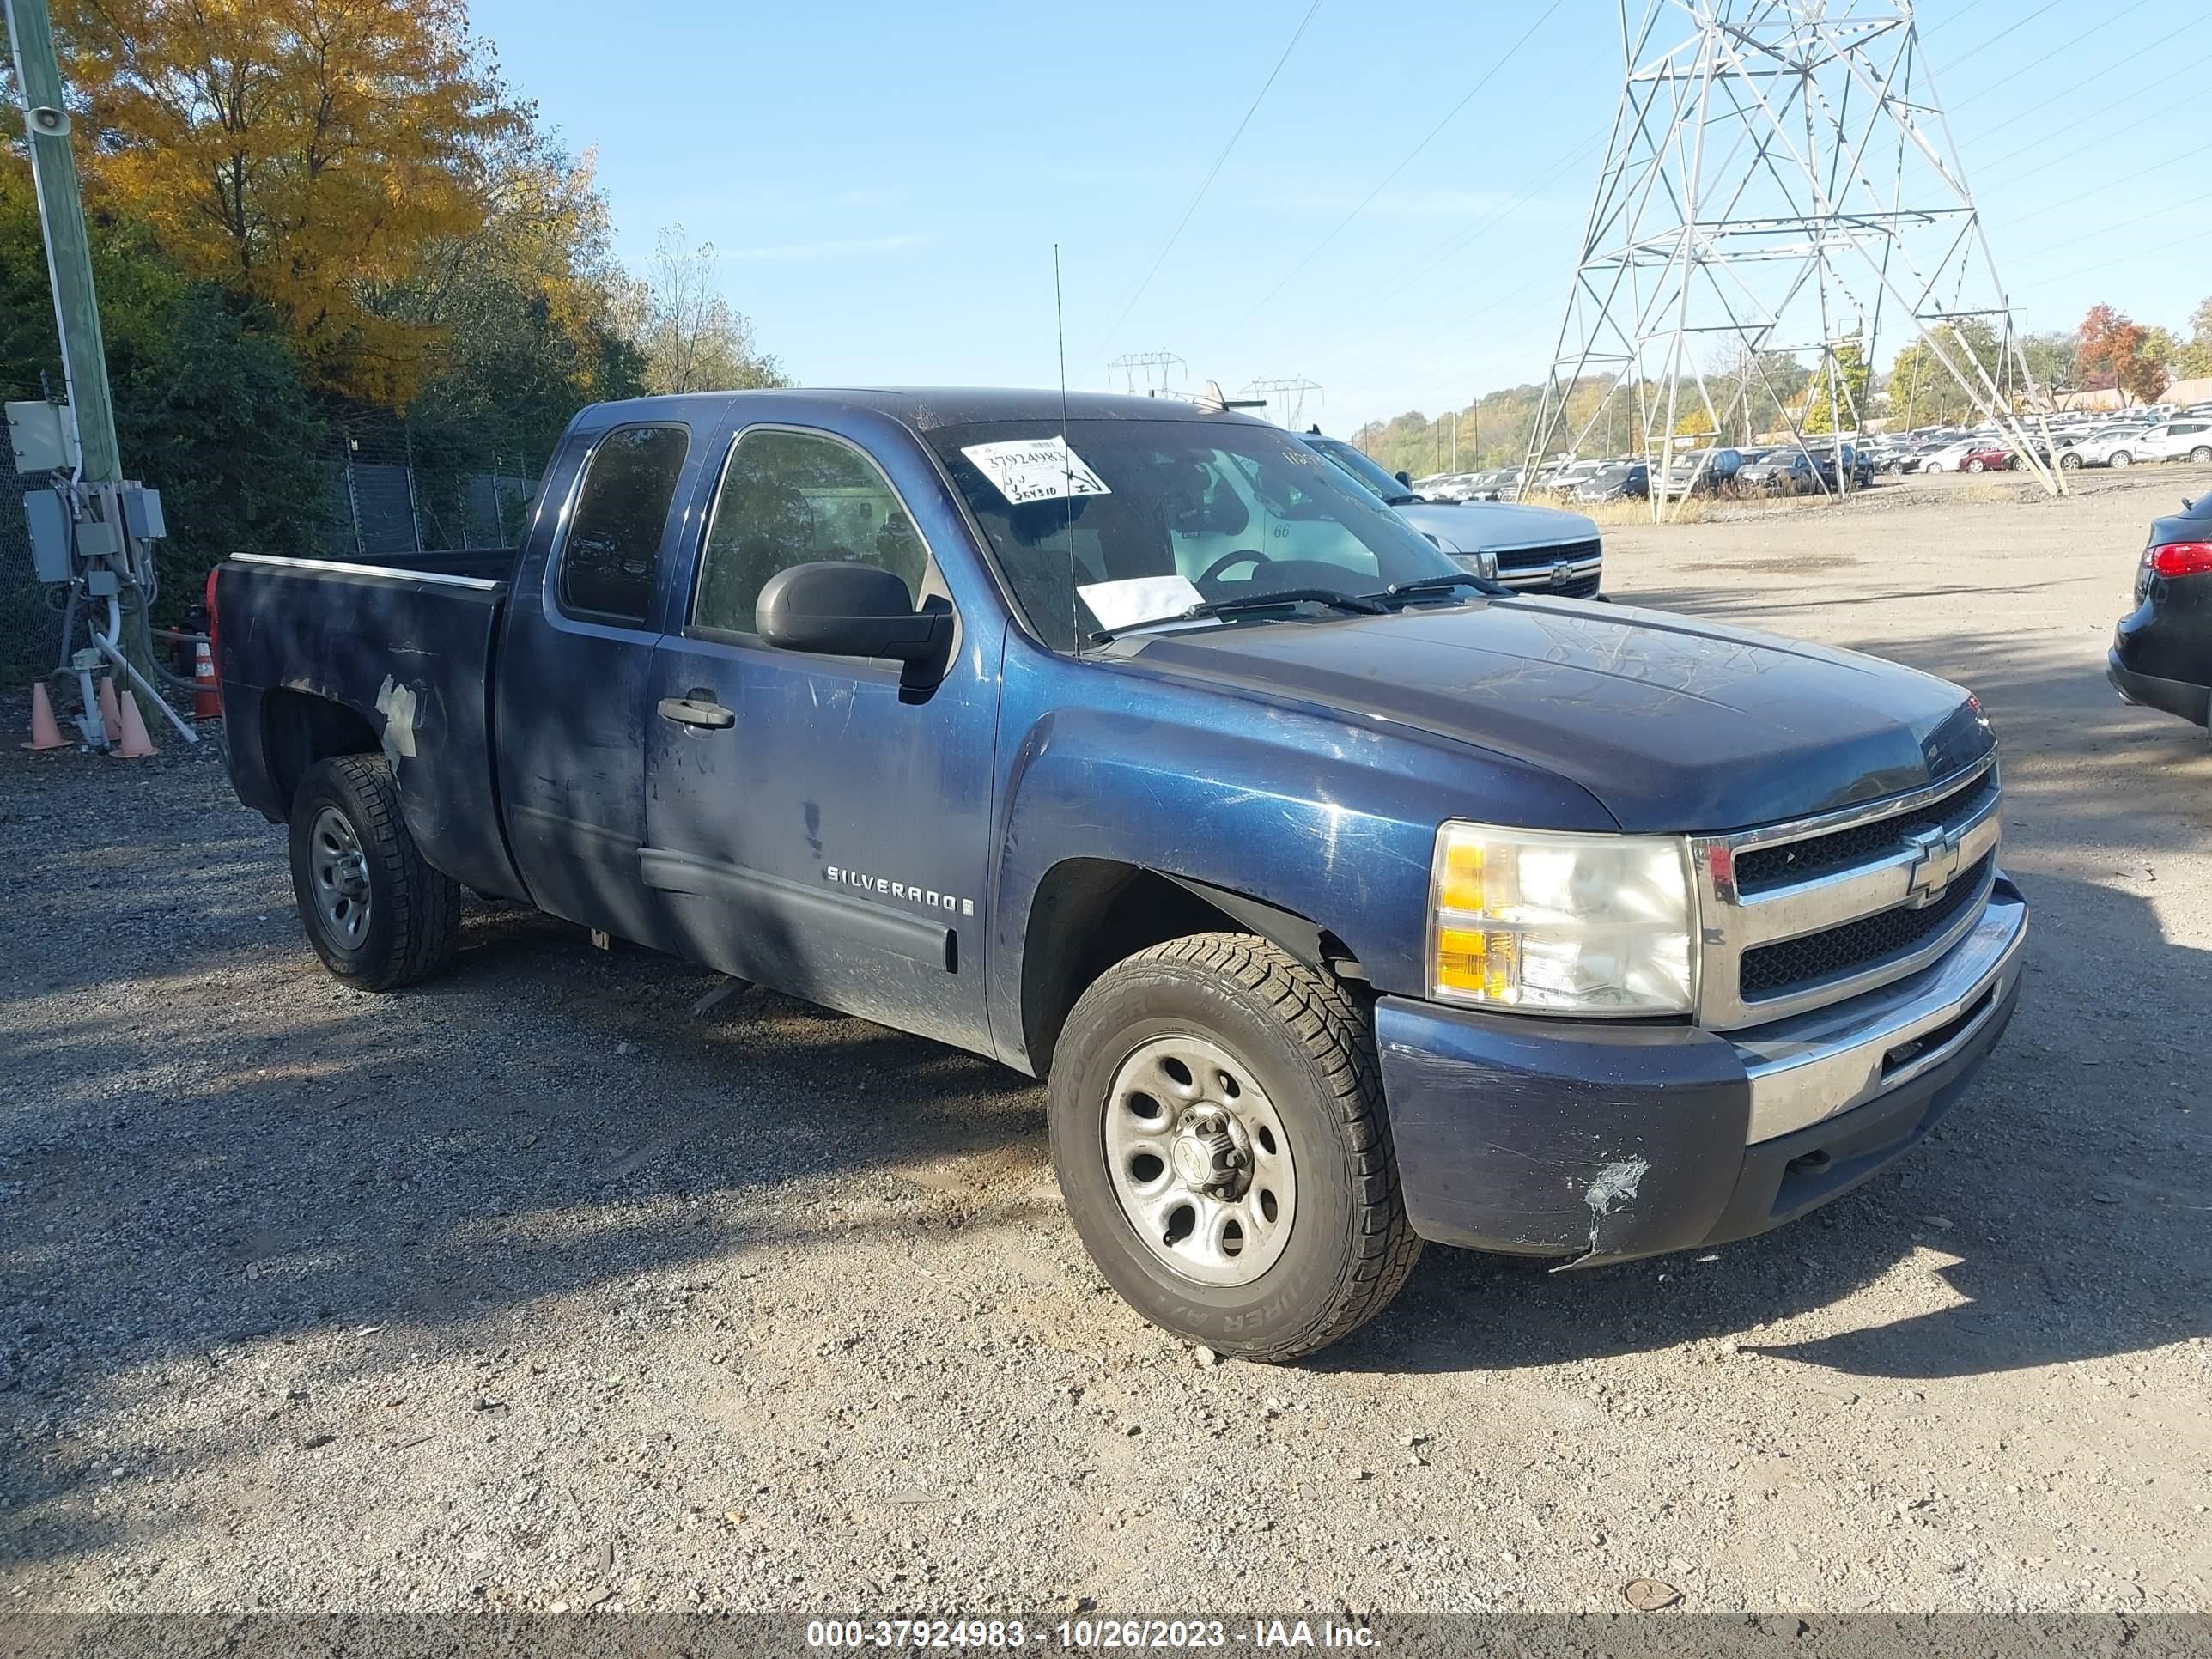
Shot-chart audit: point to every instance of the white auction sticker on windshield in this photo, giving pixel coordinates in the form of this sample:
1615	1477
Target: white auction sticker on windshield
1036	470
1138	599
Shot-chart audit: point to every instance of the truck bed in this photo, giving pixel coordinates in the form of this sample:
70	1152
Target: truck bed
399	653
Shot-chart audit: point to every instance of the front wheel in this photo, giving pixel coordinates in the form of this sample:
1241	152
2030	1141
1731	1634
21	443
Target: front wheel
2070	459
378	916
1217	1129
1974	467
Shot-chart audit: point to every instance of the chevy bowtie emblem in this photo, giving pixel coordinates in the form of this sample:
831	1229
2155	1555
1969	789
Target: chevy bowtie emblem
1935	863
1562	574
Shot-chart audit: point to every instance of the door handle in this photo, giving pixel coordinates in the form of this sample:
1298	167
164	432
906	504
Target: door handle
694	711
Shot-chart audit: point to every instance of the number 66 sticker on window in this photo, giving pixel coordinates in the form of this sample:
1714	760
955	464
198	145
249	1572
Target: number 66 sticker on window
1036	470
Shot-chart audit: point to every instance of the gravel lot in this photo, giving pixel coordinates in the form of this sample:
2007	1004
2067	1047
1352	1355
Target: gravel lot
532	1287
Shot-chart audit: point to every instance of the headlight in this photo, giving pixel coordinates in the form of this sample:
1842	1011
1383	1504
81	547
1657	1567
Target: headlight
1562	924
1484	565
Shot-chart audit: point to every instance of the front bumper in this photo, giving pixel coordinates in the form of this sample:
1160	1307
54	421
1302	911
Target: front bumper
1603	1141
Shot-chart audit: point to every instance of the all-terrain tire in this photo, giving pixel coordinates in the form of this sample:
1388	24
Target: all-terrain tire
1309	1048
412	922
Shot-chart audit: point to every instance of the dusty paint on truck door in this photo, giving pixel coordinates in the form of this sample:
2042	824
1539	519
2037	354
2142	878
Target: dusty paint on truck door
813	823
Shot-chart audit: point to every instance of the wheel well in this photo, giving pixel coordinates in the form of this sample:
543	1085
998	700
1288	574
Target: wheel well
299	728
1089	913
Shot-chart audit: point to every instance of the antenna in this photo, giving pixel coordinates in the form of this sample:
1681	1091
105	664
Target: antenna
1067	461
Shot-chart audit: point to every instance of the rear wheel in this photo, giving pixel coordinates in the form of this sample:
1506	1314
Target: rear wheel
378	916
2201	455
2121	458
1219	1132
2070	458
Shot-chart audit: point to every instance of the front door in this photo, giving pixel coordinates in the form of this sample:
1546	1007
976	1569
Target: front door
811	823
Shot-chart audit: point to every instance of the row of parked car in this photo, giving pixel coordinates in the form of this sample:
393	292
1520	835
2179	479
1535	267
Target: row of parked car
2119	439
2112	440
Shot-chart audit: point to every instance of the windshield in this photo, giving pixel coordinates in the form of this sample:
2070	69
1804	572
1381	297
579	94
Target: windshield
1362	467
1167	514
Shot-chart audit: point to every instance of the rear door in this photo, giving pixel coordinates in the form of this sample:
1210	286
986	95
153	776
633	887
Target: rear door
572	716
811	823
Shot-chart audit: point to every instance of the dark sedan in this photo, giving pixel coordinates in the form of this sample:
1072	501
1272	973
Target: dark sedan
2161	654
1618	482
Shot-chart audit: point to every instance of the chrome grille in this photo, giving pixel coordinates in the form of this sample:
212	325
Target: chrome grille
1761	869
1518	559
1766	968
1798	916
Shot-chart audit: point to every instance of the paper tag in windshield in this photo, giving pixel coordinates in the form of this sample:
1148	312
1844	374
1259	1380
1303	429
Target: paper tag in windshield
1036	470
1138	599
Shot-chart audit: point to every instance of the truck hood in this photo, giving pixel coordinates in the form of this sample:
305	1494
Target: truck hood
1486	526
1671	724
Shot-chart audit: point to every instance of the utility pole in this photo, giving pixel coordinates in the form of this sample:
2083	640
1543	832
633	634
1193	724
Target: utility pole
93	530
69	256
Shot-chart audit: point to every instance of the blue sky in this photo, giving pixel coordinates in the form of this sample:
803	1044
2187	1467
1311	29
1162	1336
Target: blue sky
885	183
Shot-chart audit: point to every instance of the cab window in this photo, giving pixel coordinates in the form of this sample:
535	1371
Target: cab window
613	547
791	498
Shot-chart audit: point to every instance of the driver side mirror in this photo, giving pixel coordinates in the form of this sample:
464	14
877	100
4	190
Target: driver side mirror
837	610
1405	478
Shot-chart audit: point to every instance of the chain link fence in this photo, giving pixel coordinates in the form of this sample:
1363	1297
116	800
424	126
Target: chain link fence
391	493
388	491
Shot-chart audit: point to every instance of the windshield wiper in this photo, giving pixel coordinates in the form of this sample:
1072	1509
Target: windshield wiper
1440	585
1363	604
1328	596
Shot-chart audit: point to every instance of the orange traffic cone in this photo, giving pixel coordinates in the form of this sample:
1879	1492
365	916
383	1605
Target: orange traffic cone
45	733
136	745
207	691
111	717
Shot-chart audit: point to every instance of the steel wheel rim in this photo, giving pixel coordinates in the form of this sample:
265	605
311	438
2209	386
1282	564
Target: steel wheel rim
340	870
1174	1105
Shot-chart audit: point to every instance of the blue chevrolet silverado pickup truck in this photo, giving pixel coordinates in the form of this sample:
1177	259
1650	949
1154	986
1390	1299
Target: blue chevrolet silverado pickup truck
1346	899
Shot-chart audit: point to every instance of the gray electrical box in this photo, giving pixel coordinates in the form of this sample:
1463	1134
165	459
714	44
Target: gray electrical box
39	433
142	513
50	545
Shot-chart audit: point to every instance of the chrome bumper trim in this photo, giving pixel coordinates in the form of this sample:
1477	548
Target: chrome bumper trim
1806	1070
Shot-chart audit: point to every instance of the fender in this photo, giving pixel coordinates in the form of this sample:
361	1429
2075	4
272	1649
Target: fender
1240	799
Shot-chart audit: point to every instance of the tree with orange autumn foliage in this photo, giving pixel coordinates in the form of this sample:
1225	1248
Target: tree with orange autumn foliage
304	153
2115	350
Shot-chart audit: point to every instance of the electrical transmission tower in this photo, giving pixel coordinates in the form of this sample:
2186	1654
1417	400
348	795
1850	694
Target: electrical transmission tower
1152	368
1292	388
1781	186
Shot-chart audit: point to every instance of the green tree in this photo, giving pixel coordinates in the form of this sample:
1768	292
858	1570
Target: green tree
1852	373
2194	358
1923	390
210	405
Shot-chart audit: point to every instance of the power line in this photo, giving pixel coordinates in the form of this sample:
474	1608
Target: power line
1387	178
2140	172
2106	264
1206	183
2028	114
2043	138
2051	6
2055	52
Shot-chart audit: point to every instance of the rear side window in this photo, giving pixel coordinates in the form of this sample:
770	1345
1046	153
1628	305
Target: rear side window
613	550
